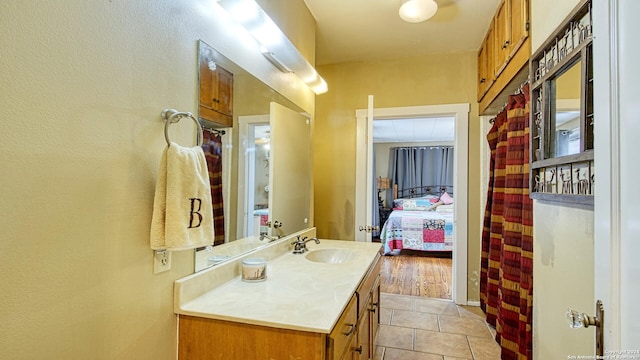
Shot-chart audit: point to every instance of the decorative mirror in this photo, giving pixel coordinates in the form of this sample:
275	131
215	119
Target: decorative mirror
562	113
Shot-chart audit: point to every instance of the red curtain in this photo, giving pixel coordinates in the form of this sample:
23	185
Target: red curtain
506	280
212	147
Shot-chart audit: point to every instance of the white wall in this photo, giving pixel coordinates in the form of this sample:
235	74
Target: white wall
83	85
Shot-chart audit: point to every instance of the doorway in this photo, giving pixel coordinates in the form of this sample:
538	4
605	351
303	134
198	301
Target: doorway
364	184
422	268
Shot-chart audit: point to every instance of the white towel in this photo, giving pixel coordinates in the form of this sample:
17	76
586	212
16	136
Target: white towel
182	211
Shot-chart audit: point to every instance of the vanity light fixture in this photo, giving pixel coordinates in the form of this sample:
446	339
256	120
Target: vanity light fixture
274	45
274	60
415	11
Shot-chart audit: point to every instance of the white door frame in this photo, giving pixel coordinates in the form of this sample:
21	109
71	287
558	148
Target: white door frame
460	171
616	210
246	176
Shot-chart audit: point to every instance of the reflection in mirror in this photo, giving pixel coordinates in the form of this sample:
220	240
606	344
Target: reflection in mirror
249	199
253	216
567	130
291	169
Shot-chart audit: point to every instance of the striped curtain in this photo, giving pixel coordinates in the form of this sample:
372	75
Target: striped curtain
506	281
212	147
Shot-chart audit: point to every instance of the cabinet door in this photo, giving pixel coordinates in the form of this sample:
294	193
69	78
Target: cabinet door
486	62
208	84
519	18
482	71
363	347
374	316
502	30
224	92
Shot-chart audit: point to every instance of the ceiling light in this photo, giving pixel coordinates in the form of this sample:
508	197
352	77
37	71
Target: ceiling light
415	11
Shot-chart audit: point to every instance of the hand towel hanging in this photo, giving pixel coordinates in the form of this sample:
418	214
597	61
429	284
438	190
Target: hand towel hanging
182	211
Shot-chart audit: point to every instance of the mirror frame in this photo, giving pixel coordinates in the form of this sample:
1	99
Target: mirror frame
568	178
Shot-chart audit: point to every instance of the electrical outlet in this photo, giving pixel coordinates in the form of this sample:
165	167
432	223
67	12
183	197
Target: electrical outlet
161	261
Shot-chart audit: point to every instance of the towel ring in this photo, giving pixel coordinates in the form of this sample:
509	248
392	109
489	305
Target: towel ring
172	116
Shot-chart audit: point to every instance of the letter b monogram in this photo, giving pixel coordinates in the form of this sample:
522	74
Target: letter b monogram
196	212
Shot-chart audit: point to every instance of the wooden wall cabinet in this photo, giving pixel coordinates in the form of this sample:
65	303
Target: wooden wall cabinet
352	338
216	91
505	51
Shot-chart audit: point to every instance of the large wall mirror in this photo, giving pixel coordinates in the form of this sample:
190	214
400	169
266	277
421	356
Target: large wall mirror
266	158
562	113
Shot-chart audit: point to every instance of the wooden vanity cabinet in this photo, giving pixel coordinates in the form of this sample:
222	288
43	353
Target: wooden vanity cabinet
352	338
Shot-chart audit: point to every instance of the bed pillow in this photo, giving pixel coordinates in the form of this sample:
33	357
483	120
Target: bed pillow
446	199
397	204
417	205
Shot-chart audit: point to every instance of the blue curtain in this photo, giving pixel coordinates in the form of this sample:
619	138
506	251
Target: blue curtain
420	166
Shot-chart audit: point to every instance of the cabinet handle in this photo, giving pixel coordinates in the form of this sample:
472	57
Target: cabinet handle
374	308
358	349
352	329
482	80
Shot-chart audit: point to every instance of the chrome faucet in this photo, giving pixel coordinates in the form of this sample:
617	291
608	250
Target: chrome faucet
300	245
271	238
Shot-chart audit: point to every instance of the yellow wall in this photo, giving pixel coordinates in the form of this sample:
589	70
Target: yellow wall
563	251
83	85
426	80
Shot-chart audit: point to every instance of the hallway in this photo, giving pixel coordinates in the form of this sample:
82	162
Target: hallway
416	328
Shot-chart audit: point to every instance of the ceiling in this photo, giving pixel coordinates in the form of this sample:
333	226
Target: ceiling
361	30
365	30
431	129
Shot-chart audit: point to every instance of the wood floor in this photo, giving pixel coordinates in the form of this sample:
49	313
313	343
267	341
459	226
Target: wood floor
417	275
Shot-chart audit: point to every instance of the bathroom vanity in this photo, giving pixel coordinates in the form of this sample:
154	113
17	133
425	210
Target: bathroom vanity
322	304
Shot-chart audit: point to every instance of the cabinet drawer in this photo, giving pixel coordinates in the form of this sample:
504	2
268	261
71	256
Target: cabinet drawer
343	332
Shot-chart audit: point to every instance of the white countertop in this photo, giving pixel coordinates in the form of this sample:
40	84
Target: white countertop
298	294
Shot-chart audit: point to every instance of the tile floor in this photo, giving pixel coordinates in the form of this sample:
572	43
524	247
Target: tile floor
416	328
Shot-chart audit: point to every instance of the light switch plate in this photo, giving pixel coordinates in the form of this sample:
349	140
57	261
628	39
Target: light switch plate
161	261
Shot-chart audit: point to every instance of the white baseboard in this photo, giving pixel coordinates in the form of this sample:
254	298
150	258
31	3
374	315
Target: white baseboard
473	303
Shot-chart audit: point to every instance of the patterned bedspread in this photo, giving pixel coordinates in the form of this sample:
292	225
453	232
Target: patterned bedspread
418	230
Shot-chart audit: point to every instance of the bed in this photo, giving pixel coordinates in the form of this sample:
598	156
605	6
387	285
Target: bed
422	219
260	220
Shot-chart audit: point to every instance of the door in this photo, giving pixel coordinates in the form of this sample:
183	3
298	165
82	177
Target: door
364	184
461	144
290	169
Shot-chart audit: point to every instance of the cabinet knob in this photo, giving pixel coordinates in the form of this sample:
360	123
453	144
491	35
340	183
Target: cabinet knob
482	80
358	349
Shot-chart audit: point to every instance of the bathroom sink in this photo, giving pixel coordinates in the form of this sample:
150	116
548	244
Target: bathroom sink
330	256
